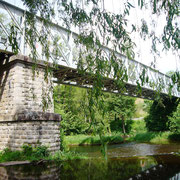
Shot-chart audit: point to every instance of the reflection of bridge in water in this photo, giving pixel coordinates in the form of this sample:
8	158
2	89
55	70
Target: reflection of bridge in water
159	172
26	112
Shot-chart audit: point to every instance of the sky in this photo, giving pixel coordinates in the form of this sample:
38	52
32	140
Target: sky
167	61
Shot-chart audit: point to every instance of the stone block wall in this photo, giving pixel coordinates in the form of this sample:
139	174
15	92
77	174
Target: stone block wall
34	132
21	90
23	119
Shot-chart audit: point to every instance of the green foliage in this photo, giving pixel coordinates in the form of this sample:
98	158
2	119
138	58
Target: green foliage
73	104
175	121
41	151
63	145
147	105
119	106
8	155
120	109
152	137
138	126
138	134
116	126
174	137
82	139
70	102
27	153
36	154
27	150
67	155
157	120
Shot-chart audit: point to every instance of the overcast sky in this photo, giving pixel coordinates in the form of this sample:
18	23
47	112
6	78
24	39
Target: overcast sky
166	62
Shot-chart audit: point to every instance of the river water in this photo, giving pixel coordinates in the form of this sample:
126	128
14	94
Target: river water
125	161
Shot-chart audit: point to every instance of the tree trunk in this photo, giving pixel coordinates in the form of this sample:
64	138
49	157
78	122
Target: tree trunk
123	125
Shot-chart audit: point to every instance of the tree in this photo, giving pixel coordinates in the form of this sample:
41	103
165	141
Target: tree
120	109
112	31
175	121
160	111
70	104
99	28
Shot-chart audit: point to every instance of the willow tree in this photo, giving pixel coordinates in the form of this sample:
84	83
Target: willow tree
99	28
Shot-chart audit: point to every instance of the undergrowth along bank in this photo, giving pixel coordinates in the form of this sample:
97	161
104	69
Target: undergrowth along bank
82	139
148	137
37	154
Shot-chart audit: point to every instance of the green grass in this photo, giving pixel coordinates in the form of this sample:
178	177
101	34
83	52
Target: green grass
138	126
8	155
148	137
92	140
152	137
138	133
36	154
63	155
139	112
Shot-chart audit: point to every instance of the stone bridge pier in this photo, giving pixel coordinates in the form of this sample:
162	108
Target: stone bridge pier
23	96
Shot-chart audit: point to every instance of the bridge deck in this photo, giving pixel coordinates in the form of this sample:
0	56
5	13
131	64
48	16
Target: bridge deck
67	72
70	76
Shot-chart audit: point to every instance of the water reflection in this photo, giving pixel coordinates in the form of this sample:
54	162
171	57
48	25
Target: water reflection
30	172
151	167
129	149
118	166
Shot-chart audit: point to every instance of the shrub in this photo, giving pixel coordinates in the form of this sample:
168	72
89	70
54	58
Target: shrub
157	120
8	155
41	151
27	150
175	121
116	125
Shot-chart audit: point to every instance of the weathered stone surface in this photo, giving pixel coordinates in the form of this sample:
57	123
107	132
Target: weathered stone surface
33	115
21	90
30	130
22	119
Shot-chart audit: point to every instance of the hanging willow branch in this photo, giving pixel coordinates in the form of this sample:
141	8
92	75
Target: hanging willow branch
99	28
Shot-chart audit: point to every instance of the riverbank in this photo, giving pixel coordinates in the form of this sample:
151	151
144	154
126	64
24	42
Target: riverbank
82	139
118	138
38	154
41	153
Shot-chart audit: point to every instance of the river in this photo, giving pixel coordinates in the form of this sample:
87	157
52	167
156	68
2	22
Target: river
125	161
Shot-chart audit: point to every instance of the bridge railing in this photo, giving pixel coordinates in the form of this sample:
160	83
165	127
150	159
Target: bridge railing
68	51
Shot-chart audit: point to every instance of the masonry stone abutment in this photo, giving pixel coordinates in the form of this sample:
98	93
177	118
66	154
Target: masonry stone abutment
25	117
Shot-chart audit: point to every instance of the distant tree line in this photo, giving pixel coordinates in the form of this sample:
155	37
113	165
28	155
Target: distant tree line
73	105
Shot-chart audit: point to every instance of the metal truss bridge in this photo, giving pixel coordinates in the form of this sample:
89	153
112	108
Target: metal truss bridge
67	72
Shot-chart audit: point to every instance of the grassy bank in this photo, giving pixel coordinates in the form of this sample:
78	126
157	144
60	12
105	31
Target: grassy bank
148	137
92	140
41	153
37	154
152	137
